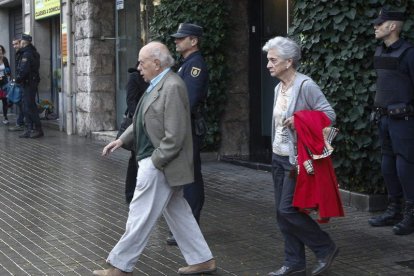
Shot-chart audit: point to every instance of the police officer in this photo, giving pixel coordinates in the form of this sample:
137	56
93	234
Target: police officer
194	73
27	74
394	64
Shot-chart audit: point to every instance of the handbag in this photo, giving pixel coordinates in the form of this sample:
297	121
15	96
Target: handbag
14	92
3	93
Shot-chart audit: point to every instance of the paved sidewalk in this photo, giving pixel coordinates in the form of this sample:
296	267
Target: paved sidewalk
62	210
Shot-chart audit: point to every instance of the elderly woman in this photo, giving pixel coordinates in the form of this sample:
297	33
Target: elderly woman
295	92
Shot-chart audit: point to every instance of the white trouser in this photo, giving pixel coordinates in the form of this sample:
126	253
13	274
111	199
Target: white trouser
153	196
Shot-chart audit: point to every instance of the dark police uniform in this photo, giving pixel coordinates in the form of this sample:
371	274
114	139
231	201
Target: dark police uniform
395	88
194	73
27	74
394	101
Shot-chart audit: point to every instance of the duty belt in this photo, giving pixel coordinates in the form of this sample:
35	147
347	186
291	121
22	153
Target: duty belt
381	111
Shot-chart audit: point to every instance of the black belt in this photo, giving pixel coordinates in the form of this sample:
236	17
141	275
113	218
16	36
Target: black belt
382	111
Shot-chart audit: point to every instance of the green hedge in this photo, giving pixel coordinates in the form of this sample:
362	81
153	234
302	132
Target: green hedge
210	14
338	45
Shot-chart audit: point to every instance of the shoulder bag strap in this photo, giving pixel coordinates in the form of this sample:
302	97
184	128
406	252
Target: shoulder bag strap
292	134
300	90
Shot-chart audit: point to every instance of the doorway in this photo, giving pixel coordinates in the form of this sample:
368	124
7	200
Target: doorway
128	41
268	19
56	63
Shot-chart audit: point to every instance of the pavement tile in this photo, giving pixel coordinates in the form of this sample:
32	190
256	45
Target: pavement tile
62	210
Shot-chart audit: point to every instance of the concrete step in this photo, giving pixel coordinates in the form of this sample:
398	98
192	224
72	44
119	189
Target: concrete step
104	136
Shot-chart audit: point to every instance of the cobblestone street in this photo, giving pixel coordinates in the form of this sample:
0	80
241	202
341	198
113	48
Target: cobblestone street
62	209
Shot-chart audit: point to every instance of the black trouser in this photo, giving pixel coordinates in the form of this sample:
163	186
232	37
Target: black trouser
5	107
131	177
397	147
30	111
298	229
194	192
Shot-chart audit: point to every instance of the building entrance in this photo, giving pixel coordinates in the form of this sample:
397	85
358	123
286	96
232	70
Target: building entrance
268	19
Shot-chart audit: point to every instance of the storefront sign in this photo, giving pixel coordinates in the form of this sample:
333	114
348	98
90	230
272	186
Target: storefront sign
119	4
46	8
64	45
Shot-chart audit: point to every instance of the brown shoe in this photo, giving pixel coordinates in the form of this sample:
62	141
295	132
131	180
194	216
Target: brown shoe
113	271
208	267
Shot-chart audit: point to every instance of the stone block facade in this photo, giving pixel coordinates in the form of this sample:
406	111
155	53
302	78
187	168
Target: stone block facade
95	66
95	74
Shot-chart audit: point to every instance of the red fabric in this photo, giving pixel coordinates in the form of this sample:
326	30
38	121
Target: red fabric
318	191
3	94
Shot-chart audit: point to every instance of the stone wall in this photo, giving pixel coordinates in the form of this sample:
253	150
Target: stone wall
95	65
235	120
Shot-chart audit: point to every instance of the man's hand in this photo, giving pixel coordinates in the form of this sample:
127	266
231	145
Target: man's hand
111	147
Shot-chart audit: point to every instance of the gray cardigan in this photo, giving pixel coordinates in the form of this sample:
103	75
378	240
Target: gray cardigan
310	98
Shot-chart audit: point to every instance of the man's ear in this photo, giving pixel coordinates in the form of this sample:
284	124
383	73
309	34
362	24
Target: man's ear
157	64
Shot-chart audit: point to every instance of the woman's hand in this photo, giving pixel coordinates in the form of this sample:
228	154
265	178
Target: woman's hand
111	147
289	122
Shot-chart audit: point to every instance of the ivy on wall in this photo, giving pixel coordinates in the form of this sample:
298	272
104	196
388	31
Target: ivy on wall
338	45
211	15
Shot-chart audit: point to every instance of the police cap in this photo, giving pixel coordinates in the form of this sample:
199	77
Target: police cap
386	15
27	37
187	29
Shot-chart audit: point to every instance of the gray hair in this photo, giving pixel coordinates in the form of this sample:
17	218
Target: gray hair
286	48
161	52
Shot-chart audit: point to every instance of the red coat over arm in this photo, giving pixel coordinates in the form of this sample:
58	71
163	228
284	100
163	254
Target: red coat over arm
317	191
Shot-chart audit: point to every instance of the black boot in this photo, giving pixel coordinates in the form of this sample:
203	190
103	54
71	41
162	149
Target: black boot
391	216
36	133
26	134
406	226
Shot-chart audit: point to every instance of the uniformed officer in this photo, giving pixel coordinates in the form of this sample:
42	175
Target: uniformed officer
194	73
27	74
394	64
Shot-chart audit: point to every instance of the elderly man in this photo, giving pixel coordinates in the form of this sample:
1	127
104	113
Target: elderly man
161	136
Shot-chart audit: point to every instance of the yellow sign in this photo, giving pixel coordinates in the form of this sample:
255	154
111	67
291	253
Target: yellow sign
46	8
64	44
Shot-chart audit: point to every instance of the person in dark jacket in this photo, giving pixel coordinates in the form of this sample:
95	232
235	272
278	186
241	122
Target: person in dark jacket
136	87
194	73
4	75
20	117
394	105
27	74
